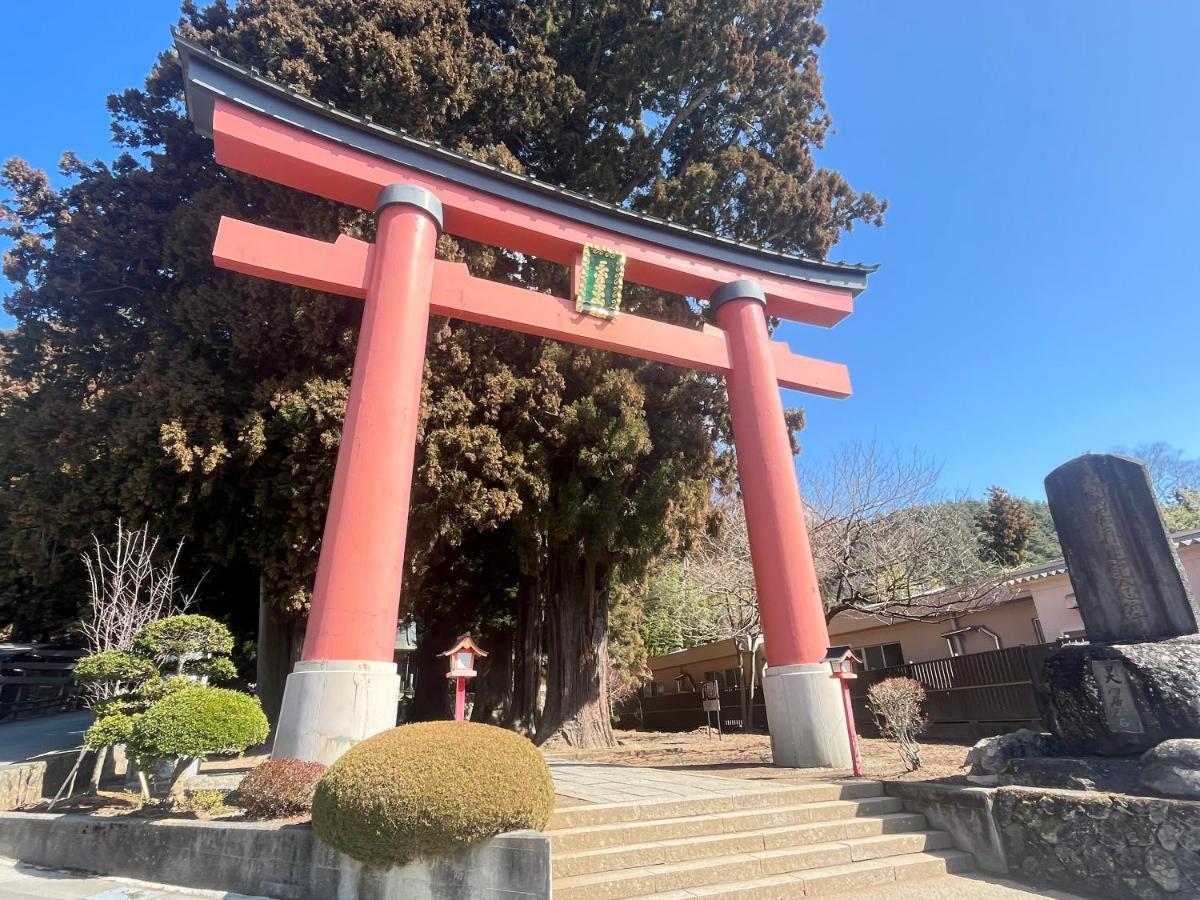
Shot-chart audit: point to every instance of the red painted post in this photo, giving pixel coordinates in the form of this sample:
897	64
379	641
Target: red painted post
789	601
460	699
357	593
855	758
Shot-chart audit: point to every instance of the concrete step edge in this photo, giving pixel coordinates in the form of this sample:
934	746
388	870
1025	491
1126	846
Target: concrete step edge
860	834
725	814
690	874
757	796
768	821
830	881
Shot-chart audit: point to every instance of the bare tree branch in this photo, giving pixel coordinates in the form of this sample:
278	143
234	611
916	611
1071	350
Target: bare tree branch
887	542
129	588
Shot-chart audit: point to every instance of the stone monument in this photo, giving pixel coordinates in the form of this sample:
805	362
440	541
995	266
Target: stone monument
1137	683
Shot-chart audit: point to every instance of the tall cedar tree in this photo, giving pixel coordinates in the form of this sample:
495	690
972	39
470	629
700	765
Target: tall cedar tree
142	382
1005	527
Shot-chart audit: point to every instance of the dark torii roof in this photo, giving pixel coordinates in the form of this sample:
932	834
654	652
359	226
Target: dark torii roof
208	76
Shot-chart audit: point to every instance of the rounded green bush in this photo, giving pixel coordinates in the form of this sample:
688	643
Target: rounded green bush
196	722
183	637
110	730
431	788
113	666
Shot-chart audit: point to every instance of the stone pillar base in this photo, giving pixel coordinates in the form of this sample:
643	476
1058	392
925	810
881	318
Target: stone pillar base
330	705
806	717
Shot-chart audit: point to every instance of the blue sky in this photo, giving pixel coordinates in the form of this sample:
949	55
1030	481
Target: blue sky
1041	159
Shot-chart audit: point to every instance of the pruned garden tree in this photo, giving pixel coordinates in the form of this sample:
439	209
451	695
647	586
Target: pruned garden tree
165	656
215	400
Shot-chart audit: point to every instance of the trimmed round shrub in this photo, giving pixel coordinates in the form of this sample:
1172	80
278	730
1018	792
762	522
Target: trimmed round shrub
280	787
431	788
196	722
110	730
216	668
109	666
183	638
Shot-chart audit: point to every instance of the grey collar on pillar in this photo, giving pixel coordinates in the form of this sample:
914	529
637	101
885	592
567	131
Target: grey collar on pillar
410	195
742	289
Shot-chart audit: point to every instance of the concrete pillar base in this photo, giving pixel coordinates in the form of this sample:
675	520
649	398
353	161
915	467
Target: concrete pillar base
330	705
805	714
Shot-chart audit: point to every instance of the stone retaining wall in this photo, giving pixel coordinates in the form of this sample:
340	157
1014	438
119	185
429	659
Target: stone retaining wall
1087	842
1110	845
24	784
287	862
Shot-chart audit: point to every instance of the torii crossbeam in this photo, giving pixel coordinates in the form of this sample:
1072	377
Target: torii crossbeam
345	687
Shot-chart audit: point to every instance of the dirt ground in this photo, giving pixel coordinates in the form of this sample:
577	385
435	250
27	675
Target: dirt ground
749	756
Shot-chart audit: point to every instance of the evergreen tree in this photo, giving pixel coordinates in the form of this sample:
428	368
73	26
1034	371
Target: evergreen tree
1005	527
142	382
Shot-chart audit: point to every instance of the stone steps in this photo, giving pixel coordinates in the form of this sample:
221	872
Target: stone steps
680	849
782	842
854	879
692	826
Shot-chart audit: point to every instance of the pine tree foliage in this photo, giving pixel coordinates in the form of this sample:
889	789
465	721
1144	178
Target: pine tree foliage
141	381
1005	527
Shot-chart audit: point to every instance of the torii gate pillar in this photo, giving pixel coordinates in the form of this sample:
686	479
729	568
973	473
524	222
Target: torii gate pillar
345	688
804	704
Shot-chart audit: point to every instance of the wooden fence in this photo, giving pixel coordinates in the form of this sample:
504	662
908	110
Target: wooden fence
967	697
36	681
683	712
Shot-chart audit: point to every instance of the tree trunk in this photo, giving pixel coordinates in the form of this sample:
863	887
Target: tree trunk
97	770
527	651
494	684
279	642
430	697
753	682
743	687
577	708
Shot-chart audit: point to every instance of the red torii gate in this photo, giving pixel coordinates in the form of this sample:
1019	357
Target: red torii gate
345	686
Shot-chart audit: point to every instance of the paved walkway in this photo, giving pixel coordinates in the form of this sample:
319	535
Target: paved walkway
604	783
28	738
21	882
953	887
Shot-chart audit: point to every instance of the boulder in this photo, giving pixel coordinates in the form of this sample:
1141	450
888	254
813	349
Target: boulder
990	755
1074	773
1173	769
1158	700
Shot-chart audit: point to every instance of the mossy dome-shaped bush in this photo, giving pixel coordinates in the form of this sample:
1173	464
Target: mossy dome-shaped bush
431	788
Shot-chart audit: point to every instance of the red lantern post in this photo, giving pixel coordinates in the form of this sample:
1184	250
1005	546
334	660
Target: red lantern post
462	666
841	660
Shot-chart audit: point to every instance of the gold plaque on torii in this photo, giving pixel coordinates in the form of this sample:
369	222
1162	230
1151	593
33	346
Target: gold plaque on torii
601	276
